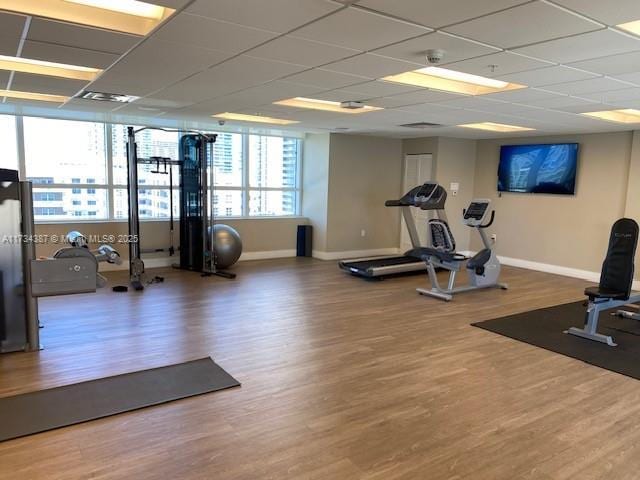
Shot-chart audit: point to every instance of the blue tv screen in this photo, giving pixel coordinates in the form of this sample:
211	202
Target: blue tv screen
544	168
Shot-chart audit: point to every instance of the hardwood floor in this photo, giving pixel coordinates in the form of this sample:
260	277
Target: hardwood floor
342	379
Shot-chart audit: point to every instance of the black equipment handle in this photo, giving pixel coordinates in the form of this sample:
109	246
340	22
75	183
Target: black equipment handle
393	203
487	225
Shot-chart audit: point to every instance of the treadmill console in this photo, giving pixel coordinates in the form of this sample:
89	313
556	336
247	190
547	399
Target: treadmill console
475	213
430	196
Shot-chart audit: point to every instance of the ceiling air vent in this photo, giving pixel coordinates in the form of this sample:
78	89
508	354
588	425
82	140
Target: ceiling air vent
422	125
108	97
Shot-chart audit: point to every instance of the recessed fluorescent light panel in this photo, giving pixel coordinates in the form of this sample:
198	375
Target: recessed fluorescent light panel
253	118
496	127
632	27
447	80
627	115
43	97
129	16
39	67
326	105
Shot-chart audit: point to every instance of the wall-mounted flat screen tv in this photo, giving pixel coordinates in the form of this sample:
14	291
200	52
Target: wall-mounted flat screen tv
543	168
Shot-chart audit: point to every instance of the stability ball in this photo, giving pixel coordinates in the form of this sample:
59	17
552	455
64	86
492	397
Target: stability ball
227	245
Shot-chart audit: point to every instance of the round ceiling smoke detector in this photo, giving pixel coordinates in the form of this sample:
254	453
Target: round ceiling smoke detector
434	56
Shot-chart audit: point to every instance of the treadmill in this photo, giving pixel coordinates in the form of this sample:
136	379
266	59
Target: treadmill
429	196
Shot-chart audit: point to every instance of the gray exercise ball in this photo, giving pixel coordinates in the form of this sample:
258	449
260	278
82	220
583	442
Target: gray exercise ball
227	245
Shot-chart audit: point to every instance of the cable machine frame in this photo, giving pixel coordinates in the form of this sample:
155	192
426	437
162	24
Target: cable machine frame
206	180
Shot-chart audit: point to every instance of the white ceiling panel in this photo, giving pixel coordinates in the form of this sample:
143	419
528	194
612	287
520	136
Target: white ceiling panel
611	65
4	78
611	12
456	49
231	76
275	15
630	77
81	37
253	97
473	103
150	61
371	66
583	47
563	102
379	88
438	13
522	25
355	28
26	82
301	52
70	55
600	84
325	79
11	27
547	76
524	95
139	89
340	95
213	34
616	97
426	108
497	64
413	98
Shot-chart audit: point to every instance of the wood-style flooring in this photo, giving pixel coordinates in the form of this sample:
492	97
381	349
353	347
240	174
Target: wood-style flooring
341	379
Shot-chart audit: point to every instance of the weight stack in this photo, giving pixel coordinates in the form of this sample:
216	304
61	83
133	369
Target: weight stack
305	235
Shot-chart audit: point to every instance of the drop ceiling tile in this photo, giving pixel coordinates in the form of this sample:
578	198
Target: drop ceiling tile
563	102
583	47
524	95
354	28
340	95
616	97
70	55
438	13
611	65
600	84
301	52
26	82
413	98
150	61
583	107
213	34
426	108
274	15
547	76
530	23
455	48
324	79
379	88
609	12
630	77
371	66
11	27
102	84
4	78
473	103
228	77
80	37
497	64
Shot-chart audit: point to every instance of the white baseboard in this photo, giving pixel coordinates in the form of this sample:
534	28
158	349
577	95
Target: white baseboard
160	262
549	268
354	253
267	255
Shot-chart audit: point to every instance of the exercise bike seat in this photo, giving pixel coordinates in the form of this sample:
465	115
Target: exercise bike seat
596	292
425	253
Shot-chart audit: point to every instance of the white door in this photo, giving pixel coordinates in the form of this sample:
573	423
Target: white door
418	169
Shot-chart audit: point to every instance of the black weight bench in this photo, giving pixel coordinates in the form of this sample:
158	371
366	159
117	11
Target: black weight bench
616	281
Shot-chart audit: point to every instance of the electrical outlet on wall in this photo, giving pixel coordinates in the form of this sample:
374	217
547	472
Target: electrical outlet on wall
454	187
494	237
363	233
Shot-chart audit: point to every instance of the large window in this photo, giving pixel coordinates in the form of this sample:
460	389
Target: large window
79	171
8	142
67	163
